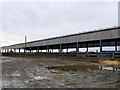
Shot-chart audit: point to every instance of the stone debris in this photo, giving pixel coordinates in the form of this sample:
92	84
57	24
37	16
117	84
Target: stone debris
16	74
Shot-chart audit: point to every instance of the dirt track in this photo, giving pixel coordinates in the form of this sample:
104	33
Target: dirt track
32	73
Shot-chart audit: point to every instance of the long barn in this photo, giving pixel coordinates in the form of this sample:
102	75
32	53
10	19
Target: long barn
97	38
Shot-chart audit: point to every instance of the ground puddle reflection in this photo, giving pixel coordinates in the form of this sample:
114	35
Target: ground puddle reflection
40	78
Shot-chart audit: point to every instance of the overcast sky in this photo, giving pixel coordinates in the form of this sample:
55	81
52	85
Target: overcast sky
49	19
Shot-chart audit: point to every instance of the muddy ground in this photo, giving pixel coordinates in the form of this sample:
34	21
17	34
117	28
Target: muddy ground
22	72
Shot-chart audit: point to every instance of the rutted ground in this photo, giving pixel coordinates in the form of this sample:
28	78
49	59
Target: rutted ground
56	73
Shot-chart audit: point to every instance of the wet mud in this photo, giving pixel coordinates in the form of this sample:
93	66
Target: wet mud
20	72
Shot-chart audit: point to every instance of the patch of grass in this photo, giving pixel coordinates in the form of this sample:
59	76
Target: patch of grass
59	77
74	81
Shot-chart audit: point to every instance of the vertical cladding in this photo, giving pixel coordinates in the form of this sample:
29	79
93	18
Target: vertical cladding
21	45
35	44
55	41
49	42
79	38
42	43
114	33
59	40
73	38
63	40
83	37
98	36
92	36
28	44
106	34
68	40
118	33
87	37
52	41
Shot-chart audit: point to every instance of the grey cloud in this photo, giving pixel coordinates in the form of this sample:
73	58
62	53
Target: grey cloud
44	20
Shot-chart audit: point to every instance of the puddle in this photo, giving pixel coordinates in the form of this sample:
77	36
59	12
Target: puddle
40	78
109	68
84	68
55	72
7	59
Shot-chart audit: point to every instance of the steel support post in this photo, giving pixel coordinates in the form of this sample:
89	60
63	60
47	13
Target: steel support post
52	50
115	45
47	48
67	49
100	45
60	48
37	49
87	47
19	50
11	50
77	47
30	49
